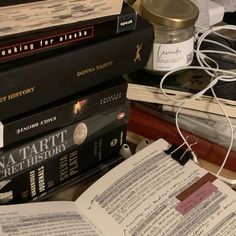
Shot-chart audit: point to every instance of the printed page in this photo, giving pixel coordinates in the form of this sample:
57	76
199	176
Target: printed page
45	218
152	194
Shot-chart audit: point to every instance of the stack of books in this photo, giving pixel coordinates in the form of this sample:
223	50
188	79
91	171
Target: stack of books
63	104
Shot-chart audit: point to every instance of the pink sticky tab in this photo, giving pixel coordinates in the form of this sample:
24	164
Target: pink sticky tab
196	197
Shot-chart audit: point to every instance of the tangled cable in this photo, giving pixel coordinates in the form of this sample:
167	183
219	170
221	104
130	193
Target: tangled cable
216	74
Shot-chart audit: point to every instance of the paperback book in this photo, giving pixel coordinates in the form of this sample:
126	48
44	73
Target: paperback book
50	174
16	158
44	79
143	86
34	41
63	112
150	193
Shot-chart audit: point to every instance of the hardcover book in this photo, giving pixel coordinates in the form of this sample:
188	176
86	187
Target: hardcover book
16	158
216	131
143	86
63	112
20	44
45	79
150	193
153	127
57	171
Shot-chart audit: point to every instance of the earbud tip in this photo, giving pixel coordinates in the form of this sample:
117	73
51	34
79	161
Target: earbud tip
125	151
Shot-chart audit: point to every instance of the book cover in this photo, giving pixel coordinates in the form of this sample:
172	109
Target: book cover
150	193
63	112
153	127
16	158
63	168
18	45
45	79
144	86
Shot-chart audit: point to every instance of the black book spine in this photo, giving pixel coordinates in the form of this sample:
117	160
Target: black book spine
25	44
15	159
79	107
63	168
25	86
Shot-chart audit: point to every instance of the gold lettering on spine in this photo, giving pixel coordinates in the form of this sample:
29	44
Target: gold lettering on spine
20	93
95	68
17	94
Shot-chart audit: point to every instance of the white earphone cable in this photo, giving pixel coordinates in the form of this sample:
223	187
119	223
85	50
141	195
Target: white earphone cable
216	73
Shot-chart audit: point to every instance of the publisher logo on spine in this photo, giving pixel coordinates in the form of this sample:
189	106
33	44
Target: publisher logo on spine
114	142
126	23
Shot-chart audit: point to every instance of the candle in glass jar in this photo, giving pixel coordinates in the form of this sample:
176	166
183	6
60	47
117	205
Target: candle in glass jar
173	23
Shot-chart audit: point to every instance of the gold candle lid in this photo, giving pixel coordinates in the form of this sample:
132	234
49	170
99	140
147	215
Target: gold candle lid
171	13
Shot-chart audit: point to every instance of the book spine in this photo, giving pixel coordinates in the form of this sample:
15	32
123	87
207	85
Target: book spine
40	82
152	127
16	159
65	167
66	112
29	43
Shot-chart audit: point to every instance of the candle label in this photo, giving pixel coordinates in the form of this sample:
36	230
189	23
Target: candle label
167	57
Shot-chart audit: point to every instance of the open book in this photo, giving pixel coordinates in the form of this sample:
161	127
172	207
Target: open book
148	194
